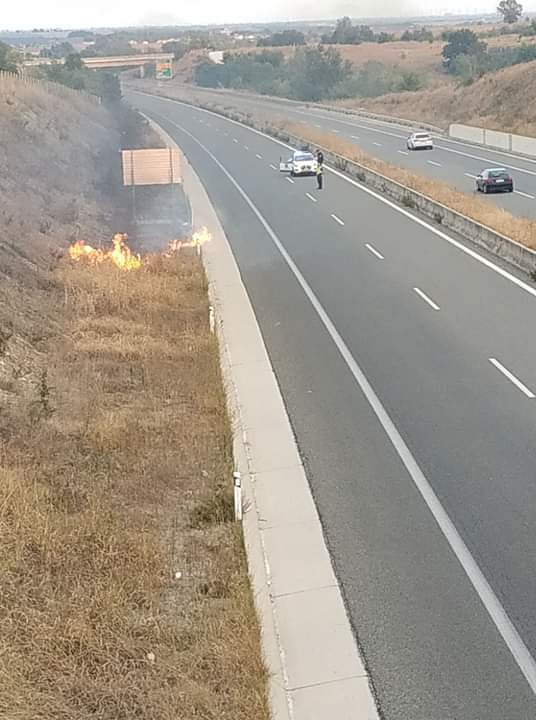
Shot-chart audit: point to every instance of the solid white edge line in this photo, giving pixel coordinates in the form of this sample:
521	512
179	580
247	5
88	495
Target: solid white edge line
311	197
497	613
521	386
426	299
374	251
419	221
524	194
337	219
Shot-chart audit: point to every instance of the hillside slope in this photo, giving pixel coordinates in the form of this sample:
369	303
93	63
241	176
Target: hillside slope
505	100
55	155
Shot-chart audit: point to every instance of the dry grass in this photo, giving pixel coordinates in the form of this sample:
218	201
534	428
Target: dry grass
115	452
502	100
520	229
114	477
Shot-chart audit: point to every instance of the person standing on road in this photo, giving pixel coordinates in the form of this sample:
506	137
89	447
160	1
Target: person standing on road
320	169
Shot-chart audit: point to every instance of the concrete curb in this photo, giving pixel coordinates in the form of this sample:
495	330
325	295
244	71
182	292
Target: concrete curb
316	672
511	251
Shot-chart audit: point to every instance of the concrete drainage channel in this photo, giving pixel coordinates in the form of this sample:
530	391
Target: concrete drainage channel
517	255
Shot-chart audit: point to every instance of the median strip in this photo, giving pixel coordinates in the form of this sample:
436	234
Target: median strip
512	238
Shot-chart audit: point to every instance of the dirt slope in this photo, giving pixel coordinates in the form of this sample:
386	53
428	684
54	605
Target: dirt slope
54	156
505	100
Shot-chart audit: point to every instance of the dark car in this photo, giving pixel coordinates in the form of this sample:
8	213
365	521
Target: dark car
495	179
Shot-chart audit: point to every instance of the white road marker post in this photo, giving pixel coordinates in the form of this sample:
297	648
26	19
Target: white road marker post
211	320
237	479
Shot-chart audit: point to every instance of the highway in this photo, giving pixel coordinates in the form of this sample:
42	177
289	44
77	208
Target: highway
406	362
451	161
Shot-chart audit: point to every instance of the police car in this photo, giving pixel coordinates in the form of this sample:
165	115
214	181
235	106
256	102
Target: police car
301	163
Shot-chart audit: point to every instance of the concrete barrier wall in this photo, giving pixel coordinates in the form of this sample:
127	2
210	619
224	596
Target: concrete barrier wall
495	139
466	132
524	145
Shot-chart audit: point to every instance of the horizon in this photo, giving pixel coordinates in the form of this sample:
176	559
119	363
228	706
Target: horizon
16	20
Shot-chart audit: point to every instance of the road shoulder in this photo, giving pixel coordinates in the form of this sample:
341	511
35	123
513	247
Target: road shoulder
316	671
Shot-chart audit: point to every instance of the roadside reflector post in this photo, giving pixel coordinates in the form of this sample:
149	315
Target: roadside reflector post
237	496
211	320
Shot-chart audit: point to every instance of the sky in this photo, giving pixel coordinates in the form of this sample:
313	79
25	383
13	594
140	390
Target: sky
104	13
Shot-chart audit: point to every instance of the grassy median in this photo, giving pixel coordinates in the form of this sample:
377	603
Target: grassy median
125	591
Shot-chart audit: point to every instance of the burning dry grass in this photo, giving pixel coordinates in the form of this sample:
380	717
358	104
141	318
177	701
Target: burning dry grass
124	585
522	230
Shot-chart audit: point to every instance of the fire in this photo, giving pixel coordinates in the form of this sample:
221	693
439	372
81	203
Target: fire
121	254
198	239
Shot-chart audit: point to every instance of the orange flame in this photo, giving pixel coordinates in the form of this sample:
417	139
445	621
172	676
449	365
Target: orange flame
121	254
198	239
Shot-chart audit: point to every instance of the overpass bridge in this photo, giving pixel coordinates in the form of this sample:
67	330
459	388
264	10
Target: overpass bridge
162	61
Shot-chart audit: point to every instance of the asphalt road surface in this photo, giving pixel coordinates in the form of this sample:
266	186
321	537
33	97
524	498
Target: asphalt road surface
407	367
451	161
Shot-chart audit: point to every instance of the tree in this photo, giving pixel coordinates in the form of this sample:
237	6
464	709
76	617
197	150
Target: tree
314	72
461	42
344	32
511	10
282	39
179	49
73	61
9	58
58	51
